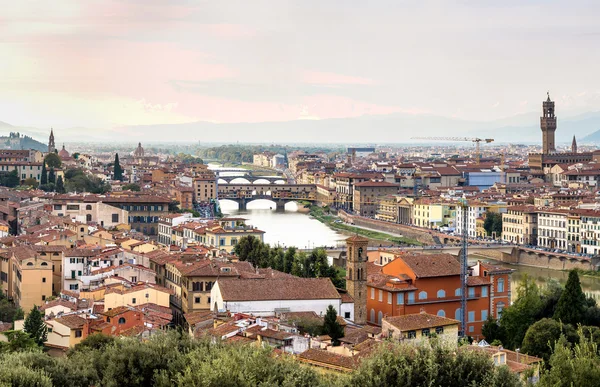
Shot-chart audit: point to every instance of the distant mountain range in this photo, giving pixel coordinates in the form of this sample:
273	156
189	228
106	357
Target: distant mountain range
392	128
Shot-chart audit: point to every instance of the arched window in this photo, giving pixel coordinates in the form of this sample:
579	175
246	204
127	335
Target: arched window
457	292
441	293
458	314
122	320
500	285
350	273
441	313
88	207
44	263
88	218
379	317
372	315
360	251
499	309
29	263
422	295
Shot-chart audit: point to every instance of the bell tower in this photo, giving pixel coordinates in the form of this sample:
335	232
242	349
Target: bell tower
356	276
51	146
548	126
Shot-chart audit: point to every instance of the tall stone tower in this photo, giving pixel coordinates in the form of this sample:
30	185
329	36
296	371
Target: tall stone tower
548	126
51	146
574	145
356	276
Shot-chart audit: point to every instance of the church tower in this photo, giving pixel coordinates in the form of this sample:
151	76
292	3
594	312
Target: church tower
356	276
548	126
51	146
574	145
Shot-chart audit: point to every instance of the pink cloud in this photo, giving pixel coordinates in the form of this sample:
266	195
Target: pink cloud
325	78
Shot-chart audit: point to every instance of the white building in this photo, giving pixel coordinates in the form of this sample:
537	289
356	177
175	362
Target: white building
264	297
473	211
552	228
102	214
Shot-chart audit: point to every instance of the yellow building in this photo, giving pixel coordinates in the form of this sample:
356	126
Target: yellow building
31	278
65	332
417	328
136	295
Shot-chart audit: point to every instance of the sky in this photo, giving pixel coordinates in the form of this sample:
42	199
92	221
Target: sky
101	64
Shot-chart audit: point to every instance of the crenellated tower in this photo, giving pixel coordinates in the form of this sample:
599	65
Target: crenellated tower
548	126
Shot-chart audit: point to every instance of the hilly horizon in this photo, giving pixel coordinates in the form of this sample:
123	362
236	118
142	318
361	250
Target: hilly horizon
391	128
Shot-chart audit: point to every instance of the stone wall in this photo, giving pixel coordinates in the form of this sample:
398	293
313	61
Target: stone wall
379	225
555	263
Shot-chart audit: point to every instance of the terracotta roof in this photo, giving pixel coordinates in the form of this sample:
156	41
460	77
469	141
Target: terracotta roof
411	322
434	265
327	358
477	281
116	311
376	184
194	318
57	302
356	238
71	321
277	289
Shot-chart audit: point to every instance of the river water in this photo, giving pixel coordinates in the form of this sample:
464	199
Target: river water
292	228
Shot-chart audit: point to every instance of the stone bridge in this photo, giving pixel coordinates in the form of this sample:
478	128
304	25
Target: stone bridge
252	179
280	194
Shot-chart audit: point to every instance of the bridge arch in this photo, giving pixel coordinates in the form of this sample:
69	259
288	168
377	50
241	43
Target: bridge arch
239	180
261	181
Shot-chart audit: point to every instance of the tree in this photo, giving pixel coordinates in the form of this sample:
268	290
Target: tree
76	155
131	187
31	182
543	335
577	365
331	326
572	304
34	326
60	186
517	318
492	331
19	341
493	223
117	170
51	176
10	179
253	250
52	160
44	176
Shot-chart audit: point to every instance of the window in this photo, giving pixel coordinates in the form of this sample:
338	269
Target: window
499	309
44	279
458	292
88	207
122	320
380	295
44	264
49	329
425	332
78	333
73	286
441	293
471	329
58	207
400	299
133	300
72	207
411	297
373	315
441	313
458	314
346	314
379	317
484	291
29	263
43	298
197	300
500	285
439	330
389	297
471	292
471	316
422	295
411	334
88	218
484	315
115	218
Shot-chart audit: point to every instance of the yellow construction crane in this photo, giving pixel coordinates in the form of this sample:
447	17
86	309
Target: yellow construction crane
469	139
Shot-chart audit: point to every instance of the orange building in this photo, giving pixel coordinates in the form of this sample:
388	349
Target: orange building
412	283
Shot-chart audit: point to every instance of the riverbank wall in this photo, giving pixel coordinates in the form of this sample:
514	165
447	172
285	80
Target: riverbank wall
379	225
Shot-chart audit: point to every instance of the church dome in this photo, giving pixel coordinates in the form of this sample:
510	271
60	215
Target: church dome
63	153
139	152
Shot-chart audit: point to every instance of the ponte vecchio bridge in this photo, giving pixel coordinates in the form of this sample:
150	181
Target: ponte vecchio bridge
280	194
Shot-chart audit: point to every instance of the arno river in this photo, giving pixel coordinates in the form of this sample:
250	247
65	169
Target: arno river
291	228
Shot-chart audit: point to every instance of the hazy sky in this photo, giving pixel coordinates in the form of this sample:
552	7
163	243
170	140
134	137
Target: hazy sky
104	63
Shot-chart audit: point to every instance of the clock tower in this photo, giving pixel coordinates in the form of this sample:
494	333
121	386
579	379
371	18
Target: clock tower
548	126
356	276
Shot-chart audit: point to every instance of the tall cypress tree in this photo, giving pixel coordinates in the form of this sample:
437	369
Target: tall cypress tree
572	303
331	327
44	177
34	326
118	171
60	185
51	176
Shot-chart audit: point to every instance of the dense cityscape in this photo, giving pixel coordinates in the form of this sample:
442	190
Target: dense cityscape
299	193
